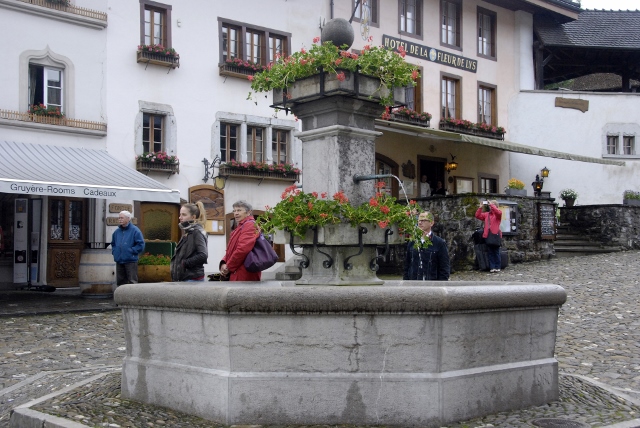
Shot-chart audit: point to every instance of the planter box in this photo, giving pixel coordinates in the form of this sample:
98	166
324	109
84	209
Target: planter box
516	192
158	59
410	121
171	168
631	202
154	273
470	131
342	234
327	84
269	175
234	71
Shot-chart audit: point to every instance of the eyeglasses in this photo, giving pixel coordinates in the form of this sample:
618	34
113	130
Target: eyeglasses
423	219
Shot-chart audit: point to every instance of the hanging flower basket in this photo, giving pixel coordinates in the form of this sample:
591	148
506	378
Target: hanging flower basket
146	166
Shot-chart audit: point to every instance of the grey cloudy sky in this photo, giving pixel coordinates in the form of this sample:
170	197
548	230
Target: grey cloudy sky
610	4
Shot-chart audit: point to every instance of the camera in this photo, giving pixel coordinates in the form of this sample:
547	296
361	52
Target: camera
485	202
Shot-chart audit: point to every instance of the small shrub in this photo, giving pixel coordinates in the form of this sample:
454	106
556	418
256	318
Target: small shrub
148	259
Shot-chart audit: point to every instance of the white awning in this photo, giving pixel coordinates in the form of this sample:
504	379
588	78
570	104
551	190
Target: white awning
33	169
420	131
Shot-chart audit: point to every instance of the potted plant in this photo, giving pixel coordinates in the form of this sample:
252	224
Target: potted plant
480	129
285	171
387	67
515	187
158	161
43	110
631	197
158	55
237	67
154	268
300	213
569	197
404	114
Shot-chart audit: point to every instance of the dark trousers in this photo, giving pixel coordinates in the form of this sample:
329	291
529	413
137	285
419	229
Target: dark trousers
494	257
126	273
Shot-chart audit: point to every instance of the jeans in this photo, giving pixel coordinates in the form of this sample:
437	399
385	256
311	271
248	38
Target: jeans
494	257
126	273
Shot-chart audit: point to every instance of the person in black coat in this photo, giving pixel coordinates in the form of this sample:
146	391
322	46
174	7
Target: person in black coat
427	264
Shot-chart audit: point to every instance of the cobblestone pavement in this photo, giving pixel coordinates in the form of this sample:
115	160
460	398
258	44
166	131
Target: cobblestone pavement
597	349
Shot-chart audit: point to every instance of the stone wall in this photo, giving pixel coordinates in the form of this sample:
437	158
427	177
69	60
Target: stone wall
456	222
605	225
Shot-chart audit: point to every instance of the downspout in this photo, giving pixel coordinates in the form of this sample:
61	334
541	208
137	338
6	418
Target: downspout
331	9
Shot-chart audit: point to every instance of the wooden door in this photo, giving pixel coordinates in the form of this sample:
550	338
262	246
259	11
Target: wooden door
66	236
159	222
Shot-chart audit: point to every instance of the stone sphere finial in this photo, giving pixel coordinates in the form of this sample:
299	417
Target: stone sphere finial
338	31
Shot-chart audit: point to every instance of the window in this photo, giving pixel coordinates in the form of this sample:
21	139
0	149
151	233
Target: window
45	86
155	23
451	16
486	105
367	10
413	95
486	33
279	145
450	92
251	43
255	46
488	185
152	133
66	220
612	144
255	144
629	145
228	142
410	17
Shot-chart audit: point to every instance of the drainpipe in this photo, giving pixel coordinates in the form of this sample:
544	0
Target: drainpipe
331	9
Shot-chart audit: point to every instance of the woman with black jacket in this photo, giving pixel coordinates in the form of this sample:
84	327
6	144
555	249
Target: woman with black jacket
187	264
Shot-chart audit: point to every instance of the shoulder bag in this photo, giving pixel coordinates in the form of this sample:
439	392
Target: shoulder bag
492	239
261	257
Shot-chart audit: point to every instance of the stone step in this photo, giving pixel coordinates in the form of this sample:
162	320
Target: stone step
564	242
580	250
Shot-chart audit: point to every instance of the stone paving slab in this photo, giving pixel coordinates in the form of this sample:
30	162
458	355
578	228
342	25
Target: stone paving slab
598	349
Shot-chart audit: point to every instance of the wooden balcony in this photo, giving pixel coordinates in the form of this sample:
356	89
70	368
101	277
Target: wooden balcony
80	11
155	58
51	120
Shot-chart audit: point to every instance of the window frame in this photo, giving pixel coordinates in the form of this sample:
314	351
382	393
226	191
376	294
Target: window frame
419	24
375	13
45	86
494	102
417	93
243	27
632	145
163	8
252	143
152	132
493	54
484	176
457	95
616	139
225	154
275	154
458	23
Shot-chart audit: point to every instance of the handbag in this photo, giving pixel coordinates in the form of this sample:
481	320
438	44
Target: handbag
493	239
261	257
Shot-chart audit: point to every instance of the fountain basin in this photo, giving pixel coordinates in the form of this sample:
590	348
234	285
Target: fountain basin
406	353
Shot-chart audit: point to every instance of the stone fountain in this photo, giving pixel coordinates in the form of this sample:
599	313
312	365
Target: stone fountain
404	353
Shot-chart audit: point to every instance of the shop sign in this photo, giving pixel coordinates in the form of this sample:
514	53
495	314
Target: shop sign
117	208
431	54
113	221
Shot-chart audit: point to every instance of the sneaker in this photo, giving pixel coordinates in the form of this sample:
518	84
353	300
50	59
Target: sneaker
492	270
497	270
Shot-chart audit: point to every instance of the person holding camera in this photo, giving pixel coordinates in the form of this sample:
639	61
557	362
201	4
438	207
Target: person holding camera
489	213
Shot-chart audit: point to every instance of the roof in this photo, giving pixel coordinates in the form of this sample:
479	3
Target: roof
593	28
66	171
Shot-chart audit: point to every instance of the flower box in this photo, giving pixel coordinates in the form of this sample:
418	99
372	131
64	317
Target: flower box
249	173
405	119
631	202
328	84
158	59
444	126
516	192
235	71
342	234
154	273
171	168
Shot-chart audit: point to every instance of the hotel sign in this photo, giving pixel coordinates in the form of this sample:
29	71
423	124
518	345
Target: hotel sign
431	54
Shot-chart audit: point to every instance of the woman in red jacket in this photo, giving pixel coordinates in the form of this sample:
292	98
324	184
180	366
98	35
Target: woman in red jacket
489	213
241	242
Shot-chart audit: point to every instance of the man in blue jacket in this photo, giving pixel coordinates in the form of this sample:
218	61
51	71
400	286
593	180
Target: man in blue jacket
427	264
126	243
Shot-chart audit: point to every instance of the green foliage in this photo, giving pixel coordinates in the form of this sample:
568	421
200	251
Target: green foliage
159	49
43	110
630	194
382	63
154	259
298	212
514	183
158	157
568	194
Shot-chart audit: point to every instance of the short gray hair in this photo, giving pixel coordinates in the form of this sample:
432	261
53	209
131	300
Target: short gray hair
243	204
126	214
